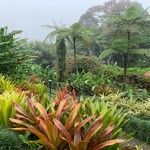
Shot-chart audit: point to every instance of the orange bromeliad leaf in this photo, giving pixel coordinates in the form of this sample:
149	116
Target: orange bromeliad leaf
60	109
31	107
85	121
72	116
51	131
20	110
20	122
60	126
42	138
21	117
77	137
93	129
42	111
106	133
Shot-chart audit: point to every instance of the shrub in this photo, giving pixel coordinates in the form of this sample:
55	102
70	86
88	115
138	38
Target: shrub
85	64
139	127
10	140
35	89
136	94
45	74
112	70
83	83
62	127
130	106
104	90
138	70
43	53
90	84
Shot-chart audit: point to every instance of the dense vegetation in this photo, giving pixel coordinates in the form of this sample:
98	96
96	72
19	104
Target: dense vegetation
83	88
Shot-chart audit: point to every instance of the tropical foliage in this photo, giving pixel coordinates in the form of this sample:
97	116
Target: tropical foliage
61	127
82	88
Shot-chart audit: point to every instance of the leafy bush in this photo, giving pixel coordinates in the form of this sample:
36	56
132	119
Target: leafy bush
139	127
85	64
10	140
43	53
14	53
137	70
36	89
130	106
136	94
112	70
104	90
83	83
63	127
88	83
45	74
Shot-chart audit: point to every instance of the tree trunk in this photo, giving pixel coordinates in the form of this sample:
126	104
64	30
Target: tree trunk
125	66
75	55
126	55
61	59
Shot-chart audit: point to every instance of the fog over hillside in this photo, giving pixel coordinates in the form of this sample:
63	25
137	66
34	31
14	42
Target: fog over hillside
30	15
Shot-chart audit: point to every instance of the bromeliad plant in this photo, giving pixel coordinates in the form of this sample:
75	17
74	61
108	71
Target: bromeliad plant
8	95
93	106
62	126
7	99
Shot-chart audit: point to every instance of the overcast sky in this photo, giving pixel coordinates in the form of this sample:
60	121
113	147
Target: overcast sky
30	15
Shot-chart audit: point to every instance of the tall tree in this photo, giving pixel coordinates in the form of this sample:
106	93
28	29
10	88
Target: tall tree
61	57
94	15
77	32
12	53
129	29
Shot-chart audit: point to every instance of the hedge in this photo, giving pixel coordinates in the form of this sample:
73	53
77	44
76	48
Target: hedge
140	128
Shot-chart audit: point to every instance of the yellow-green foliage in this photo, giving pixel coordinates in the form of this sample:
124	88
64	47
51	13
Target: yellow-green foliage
6	84
104	90
8	96
110	114
39	91
7	99
130	106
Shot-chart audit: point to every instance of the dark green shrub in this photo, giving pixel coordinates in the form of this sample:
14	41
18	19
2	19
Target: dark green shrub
86	64
139	127
44	74
82	83
112	70
44	53
9	140
90	84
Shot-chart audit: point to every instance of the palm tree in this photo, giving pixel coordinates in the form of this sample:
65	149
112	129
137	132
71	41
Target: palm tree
77	32
129	33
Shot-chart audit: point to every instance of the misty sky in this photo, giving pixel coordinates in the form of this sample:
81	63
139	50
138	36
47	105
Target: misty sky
30	15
